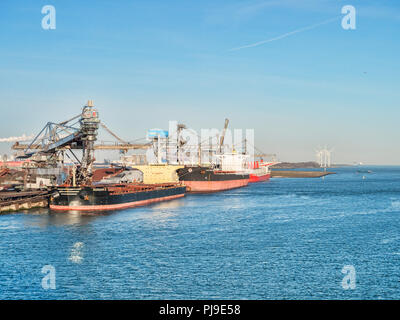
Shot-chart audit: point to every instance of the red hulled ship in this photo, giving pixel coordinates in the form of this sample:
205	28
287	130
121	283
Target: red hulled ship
259	171
88	189
205	179
228	173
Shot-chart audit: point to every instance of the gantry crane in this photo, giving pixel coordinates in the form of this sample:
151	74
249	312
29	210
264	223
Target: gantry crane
49	147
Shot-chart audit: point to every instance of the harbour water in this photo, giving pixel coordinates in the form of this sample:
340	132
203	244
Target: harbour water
283	239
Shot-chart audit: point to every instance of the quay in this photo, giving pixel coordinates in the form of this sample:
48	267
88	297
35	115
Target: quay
14	201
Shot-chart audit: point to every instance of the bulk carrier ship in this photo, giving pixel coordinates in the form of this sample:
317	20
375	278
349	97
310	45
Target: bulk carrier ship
205	179
196	178
112	197
227	174
87	189
112	189
222	172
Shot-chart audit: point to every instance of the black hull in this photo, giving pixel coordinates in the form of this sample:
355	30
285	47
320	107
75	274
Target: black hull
207	174
204	179
102	198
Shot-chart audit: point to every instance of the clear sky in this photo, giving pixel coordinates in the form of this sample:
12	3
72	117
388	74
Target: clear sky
283	67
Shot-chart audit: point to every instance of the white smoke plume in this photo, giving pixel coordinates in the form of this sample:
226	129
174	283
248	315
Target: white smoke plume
22	138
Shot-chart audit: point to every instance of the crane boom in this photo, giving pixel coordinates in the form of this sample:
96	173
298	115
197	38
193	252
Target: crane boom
113	134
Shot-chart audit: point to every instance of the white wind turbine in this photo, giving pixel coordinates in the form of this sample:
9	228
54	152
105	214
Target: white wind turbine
324	157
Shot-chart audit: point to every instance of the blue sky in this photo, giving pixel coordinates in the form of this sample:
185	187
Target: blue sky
146	62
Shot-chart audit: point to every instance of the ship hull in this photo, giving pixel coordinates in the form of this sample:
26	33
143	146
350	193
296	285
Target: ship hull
111	198
259	178
204	180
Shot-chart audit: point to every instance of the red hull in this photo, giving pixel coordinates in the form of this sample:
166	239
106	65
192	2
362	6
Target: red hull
114	206
213	186
256	178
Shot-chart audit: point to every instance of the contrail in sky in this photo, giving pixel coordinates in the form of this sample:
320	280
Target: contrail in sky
285	35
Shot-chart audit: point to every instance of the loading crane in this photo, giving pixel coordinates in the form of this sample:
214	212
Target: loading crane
49	147
66	135
50	141
102	146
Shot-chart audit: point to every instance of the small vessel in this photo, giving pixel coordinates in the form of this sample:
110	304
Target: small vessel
91	189
259	171
364	171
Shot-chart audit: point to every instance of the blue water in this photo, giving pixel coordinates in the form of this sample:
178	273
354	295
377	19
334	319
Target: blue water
283	239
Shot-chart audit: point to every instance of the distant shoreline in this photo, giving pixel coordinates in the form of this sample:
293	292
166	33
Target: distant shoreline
315	165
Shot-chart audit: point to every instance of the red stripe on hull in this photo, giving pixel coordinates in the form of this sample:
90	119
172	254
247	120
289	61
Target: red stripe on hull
214	186
255	178
114	206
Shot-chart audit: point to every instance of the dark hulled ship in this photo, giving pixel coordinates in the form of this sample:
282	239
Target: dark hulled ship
206	179
113	197
88	189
